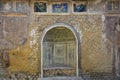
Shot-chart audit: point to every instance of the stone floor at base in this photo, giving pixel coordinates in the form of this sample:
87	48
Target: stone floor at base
62	78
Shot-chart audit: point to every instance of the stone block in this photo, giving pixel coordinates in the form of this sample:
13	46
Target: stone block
61	78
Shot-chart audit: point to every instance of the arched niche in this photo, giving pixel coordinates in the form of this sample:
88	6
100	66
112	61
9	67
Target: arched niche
59	51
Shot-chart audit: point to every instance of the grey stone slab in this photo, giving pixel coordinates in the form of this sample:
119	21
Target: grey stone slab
61	78
44	78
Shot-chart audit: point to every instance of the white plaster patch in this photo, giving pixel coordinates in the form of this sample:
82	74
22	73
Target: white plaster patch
118	27
33	35
104	37
77	29
32	43
103	18
80	32
81	36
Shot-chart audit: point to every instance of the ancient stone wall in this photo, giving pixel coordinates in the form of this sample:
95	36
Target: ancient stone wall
13	31
93	54
21	34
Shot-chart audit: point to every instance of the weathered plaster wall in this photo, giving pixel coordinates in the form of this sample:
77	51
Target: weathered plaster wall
24	58
15	36
112	31
23	39
13	31
94	57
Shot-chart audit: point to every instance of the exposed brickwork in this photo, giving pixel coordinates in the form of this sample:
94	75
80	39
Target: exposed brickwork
99	42
91	40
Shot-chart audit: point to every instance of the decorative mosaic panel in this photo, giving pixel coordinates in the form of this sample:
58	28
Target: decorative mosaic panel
40	7
5	6
60	7
18	6
21	6
113	6
109	6
79	7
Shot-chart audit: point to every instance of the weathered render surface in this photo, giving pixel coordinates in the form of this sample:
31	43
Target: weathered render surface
92	46
20	36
